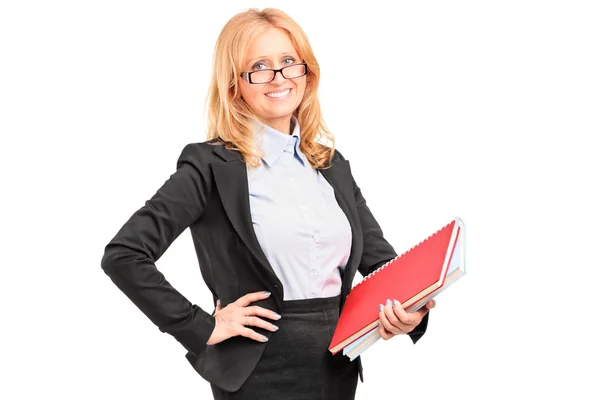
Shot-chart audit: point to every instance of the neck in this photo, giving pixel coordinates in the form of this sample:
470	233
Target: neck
283	125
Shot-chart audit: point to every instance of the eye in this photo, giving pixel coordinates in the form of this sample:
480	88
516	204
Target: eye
289	60
259	65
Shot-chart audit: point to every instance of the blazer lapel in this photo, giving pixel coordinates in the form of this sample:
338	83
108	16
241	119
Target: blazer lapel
339	177
231	179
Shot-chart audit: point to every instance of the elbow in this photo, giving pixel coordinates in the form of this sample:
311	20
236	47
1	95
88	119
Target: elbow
118	255
109	260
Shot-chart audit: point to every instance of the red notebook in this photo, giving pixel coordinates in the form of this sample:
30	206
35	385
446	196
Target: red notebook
407	278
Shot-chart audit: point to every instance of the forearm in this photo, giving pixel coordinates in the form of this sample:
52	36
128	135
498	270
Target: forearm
139	279
419	330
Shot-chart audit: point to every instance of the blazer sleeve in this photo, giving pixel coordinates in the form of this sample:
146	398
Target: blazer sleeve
129	258
376	249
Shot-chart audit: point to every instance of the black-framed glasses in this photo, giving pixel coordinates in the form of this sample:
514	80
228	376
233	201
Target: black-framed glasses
267	75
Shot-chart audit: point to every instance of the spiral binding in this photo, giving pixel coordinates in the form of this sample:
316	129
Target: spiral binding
401	255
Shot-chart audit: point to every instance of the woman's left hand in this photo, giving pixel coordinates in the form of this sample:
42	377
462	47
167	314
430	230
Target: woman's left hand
394	320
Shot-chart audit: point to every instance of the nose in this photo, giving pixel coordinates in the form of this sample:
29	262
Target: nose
279	78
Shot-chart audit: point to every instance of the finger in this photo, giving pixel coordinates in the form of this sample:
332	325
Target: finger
391	316
430	304
260	323
261	312
383	319
385	335
218	305
251	334
251	297
404	317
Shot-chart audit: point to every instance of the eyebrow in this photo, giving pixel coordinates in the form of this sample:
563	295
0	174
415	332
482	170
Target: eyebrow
263	57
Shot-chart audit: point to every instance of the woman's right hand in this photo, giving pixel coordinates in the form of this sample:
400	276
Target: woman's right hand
237	318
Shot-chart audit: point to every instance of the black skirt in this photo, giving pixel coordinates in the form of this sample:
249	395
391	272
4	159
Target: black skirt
296	363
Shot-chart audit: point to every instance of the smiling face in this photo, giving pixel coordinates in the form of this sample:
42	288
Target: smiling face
273	102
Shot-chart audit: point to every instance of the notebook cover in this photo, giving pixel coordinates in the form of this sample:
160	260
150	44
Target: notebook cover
400	279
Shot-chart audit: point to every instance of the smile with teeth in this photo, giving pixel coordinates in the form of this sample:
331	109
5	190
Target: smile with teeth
278	94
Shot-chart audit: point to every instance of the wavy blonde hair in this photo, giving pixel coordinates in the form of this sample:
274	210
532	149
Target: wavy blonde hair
230	119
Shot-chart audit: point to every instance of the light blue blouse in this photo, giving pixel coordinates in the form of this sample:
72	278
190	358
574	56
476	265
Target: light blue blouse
297	220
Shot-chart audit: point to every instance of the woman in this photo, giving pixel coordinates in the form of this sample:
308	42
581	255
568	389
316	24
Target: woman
279	227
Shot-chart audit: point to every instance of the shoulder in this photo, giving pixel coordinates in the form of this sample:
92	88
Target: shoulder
337	155
201	154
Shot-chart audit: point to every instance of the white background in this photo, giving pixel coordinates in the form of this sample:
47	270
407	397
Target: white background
484	110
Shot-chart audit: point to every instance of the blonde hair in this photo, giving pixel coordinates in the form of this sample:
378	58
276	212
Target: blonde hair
231	119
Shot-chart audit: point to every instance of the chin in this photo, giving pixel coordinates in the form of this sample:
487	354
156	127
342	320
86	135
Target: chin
279	113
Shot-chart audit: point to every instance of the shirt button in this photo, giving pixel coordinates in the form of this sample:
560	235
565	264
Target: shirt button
315	238
303	208
293	180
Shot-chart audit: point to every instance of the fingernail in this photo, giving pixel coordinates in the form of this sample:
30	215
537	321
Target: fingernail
275	327
380	307
396	302
265	339
267	293
388	301
277	315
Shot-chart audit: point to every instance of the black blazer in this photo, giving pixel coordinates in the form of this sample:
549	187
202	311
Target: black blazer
209	194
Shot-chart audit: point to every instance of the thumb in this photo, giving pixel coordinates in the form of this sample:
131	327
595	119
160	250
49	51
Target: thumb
218	305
